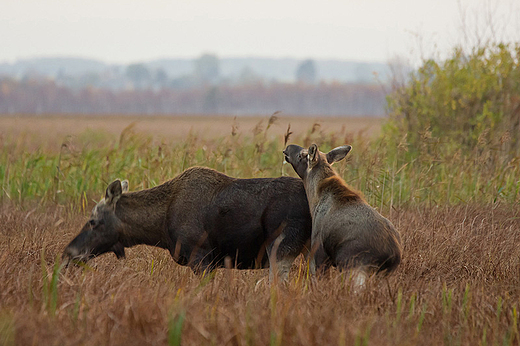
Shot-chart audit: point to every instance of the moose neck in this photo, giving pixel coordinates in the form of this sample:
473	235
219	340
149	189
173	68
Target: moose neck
143	214
312	182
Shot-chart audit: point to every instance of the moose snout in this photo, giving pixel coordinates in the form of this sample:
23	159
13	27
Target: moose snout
285	156
70	253
73	254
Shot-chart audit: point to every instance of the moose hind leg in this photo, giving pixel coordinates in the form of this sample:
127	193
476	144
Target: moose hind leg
357	262
359	277
280	268
201	261
282	253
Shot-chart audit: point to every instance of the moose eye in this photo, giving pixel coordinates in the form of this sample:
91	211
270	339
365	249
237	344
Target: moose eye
94	223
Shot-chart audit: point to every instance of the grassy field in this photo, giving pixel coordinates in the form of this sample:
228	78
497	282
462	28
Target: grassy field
459	218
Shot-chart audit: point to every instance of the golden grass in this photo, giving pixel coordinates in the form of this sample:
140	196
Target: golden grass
459	283
50	131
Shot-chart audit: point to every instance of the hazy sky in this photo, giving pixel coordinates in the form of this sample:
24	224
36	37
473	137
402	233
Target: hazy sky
123	31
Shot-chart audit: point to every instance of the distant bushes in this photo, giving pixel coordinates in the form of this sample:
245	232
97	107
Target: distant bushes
463	105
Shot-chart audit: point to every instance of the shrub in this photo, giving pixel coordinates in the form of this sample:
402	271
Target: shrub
465	104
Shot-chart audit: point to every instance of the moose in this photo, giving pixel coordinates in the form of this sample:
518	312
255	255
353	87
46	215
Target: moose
205	219
346	231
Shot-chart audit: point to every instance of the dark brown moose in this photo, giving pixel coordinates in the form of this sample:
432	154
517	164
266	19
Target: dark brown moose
205	219
346	231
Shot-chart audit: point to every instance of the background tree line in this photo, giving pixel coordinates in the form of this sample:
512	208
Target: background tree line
39	97
206	85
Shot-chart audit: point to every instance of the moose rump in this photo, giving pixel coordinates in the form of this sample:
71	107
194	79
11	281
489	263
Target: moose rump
360	238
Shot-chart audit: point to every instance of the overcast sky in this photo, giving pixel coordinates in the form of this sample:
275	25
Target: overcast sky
123	31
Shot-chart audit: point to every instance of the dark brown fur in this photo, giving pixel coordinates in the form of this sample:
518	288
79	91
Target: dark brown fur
202	217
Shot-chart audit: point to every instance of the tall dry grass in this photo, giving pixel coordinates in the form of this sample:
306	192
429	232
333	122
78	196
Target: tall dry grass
459	283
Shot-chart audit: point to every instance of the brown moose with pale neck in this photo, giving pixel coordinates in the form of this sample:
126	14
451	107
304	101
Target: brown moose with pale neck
205	219
346	231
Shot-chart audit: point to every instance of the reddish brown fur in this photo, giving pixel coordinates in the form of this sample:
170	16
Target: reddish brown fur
346	232
340	189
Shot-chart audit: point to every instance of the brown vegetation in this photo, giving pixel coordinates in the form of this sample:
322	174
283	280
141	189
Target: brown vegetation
51	130
459	283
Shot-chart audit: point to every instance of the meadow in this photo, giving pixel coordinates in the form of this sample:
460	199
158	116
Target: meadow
458	215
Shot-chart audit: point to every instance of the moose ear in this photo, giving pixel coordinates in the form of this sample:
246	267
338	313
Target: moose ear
124	185
113	193
338	153
313	153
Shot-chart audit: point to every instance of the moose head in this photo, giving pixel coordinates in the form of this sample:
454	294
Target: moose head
101	233
305	160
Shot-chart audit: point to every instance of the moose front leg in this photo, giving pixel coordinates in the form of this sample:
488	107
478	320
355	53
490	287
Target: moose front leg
318	259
